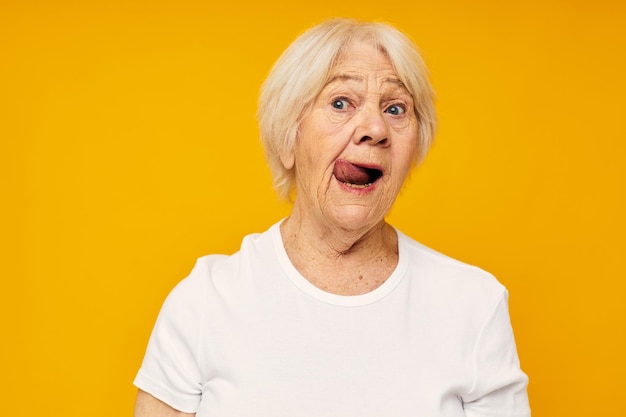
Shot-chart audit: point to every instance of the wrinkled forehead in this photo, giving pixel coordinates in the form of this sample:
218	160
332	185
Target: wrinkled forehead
367	47
363	56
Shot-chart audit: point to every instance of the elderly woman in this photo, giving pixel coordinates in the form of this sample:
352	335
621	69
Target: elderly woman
332	311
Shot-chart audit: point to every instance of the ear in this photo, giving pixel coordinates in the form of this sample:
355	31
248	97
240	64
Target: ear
288	159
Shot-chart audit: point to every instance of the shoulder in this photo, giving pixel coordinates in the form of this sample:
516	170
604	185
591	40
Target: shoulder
438	271
216	275
196	282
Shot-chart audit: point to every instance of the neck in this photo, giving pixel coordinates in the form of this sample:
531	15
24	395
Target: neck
333	240
339	259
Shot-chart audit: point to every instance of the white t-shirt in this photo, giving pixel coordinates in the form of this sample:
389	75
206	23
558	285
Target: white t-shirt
247	335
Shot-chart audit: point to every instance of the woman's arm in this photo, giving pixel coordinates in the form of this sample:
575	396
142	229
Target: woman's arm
148	406
499	385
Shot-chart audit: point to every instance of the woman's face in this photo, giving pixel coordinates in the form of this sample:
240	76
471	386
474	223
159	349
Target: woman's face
356	144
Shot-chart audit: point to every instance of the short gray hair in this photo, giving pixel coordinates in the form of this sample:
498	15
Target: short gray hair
302	71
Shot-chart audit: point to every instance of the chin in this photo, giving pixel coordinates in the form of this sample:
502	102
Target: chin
357	217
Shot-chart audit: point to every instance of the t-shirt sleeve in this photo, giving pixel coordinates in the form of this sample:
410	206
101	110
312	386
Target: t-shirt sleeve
170	370
499	388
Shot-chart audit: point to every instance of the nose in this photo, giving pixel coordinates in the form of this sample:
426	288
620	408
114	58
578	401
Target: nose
371	127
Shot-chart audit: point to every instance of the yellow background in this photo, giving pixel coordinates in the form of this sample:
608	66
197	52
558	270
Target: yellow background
129	148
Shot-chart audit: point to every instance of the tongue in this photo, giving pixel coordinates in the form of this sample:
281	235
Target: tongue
346	172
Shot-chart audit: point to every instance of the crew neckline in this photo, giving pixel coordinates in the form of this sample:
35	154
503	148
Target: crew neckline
308	288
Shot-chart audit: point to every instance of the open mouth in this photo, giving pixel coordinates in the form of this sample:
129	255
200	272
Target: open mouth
355	176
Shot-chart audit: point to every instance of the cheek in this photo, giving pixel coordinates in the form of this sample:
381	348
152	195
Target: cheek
412	148
309	164
404	161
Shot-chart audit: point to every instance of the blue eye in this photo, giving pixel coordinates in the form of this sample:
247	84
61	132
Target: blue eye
395	110
340	104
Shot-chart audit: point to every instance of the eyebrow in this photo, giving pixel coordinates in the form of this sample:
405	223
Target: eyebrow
344	77
347	77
